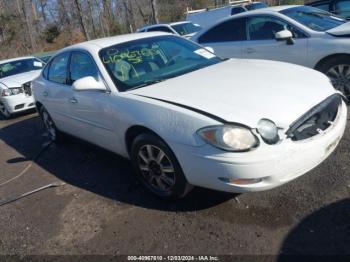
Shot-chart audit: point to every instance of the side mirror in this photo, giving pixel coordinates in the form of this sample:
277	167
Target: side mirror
88	83
285	35
210	49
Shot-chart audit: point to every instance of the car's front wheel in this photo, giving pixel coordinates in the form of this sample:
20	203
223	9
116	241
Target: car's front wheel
338	71
5	113
157	167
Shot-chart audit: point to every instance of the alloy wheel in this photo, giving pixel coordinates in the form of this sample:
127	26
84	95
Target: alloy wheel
156	168
340	77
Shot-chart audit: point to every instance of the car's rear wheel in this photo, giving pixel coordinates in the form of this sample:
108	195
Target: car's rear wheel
338	71
5	113
54	134
157	167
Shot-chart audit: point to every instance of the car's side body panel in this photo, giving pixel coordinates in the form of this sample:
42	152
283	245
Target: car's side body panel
308	51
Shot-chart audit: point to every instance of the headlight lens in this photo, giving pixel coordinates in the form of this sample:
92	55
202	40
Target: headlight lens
229	137
5	92
16	90
12	91
268	131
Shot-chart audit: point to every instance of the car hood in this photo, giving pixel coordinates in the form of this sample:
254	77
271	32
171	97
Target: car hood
343	29
20	79
245	91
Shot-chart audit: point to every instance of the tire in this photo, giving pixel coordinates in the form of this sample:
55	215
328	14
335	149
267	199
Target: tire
54	134
338	70
4	112
157	167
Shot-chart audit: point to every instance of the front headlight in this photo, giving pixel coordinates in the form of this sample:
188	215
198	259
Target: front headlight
5	92
16	90
12	91
229	137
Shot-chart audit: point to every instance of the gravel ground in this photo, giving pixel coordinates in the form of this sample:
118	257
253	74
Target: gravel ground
103	210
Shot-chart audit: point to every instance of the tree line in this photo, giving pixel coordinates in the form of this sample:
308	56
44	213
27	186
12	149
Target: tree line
32	26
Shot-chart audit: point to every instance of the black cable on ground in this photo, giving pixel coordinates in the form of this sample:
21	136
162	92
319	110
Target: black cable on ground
15	198
45	146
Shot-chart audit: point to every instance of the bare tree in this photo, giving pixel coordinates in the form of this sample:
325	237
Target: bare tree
23	11
43	7
154	8
81	19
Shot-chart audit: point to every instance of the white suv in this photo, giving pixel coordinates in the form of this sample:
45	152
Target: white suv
15	88
296	34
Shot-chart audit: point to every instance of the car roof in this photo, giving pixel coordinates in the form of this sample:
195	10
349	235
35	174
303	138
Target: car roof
276	8
114	40
15	59
164	24
319	2
181	22
272	9
154	25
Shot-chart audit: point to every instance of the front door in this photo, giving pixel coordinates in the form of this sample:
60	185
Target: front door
90	110
262	44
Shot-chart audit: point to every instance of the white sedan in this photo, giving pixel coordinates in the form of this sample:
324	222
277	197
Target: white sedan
15	77
183	28
296	34
188	118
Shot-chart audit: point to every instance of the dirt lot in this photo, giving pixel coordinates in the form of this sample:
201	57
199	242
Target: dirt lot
103	210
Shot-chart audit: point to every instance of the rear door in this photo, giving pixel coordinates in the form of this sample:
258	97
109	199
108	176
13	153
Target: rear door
262	44
226	38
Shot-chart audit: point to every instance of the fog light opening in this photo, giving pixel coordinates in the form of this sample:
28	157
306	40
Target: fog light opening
240	181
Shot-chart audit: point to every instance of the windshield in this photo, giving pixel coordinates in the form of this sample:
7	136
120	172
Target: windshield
19	66
186	28
150	60
314	18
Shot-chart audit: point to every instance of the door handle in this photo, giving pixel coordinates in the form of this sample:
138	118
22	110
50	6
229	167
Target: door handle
45	93
73	100
249	50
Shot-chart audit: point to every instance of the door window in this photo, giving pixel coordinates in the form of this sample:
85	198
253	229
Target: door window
81	66
342	8
232	30
265	28
324	7
58	69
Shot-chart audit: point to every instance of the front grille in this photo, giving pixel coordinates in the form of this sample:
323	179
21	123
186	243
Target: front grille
19	106
316	120
27	89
